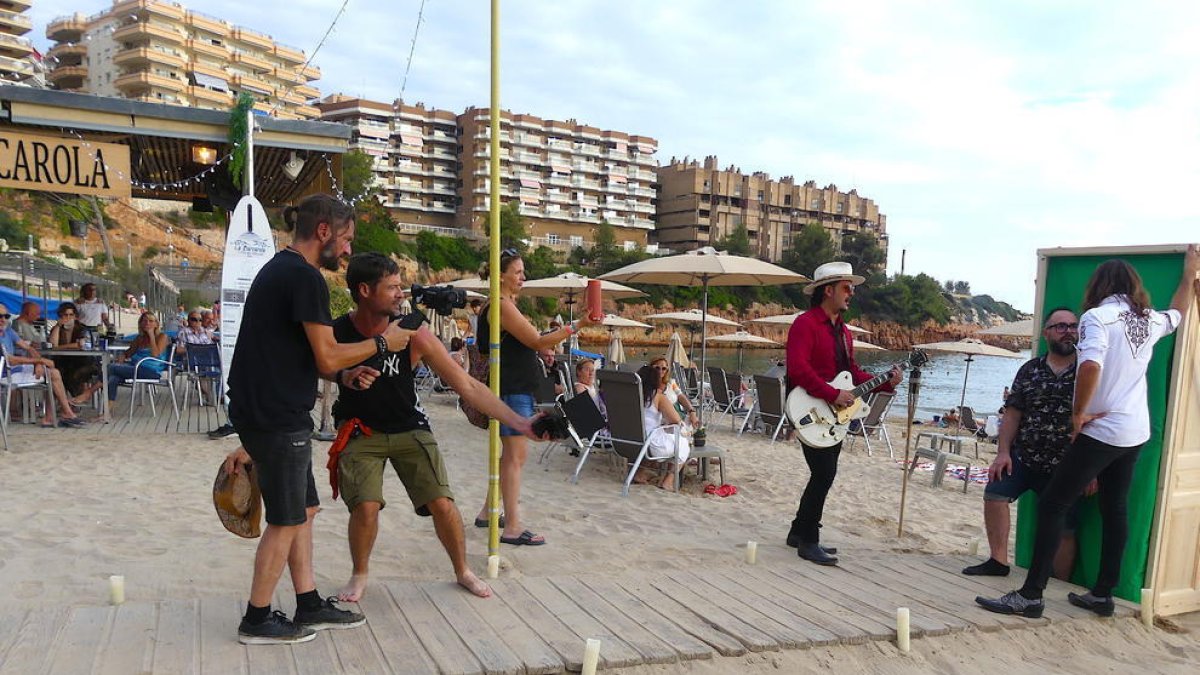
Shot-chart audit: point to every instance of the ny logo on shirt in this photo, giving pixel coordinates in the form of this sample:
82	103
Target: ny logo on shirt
391	365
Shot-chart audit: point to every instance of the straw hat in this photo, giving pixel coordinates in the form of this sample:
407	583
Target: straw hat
238	501
831	272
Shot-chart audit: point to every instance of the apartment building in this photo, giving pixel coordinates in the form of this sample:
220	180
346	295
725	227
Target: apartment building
567	176
431	167
699	203
14	49
162	52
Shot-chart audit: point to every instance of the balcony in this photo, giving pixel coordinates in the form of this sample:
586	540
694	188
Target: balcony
308	92
210	69
254	84
132	82
21	68
289	54
311	72
308	112
208	49
210	95
65	77
17	47
20	5
212	24
67	54
140	56
253	37
291	97
66	28
288	75
144	30
14	22
170	10
253	61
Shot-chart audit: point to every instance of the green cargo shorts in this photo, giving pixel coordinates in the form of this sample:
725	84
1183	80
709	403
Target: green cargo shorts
413	454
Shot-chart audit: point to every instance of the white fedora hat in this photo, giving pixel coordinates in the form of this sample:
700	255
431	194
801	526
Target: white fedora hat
831	272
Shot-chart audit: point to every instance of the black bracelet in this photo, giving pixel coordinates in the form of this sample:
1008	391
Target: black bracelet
382	345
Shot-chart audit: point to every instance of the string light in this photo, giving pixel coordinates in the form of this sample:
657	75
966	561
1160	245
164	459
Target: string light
145	185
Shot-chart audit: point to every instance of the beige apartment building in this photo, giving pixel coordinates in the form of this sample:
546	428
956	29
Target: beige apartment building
14	49
431	167
162	52
699	203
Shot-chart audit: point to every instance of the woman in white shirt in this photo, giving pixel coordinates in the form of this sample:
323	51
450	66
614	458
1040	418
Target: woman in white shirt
1111	421
670	388
92	311
662	427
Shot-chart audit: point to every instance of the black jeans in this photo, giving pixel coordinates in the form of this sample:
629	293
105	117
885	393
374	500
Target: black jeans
822	465
1086	459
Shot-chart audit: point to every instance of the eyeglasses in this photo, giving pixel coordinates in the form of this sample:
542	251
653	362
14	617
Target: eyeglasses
193	318
1063	327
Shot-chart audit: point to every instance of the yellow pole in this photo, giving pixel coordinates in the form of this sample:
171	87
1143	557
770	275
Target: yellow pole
493	336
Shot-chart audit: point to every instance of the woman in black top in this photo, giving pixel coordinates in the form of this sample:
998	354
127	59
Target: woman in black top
519	373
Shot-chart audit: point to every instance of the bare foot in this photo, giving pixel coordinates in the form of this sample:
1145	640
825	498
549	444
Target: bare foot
668	483
354	589
472	583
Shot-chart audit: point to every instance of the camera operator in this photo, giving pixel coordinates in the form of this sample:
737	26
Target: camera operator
379	394
285	342
519	371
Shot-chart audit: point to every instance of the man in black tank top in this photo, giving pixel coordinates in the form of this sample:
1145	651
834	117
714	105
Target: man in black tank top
379	392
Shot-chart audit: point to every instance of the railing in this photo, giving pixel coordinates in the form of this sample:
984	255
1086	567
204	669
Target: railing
415	228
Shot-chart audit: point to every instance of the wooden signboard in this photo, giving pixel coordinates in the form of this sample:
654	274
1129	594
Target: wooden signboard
53	164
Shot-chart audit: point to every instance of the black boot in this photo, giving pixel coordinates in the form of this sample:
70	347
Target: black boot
814	553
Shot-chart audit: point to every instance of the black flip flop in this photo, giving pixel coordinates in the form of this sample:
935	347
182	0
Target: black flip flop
482	522
525	539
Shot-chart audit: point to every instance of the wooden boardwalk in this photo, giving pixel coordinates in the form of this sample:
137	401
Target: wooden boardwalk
539	625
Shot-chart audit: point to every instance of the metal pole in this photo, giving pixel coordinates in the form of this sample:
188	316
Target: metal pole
703	347
493	336
249	179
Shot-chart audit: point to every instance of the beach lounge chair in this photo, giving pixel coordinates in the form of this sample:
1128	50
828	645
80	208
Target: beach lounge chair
970	424
626	425
873	425
770	404
586	427
728	398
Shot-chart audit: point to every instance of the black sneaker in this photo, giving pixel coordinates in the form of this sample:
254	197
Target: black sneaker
328	616
988	568
275	630
1013	603
222	431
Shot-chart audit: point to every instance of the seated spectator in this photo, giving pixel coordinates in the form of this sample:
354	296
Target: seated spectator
29	325
585	382
149	343
80	374
458	352
549	370
208	321
670	388
27	366
663	442
194	334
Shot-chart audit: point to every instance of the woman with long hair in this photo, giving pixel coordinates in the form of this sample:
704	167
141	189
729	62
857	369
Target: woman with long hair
670	388
1110	420
150	342
519	373
77	371
659	415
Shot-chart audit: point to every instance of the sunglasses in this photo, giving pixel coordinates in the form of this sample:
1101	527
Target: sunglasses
5	316
510	253
193	318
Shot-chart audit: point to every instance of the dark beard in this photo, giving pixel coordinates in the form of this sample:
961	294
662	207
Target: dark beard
1062	348
329	259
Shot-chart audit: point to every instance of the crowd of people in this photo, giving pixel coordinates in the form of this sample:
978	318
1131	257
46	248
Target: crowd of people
1065	423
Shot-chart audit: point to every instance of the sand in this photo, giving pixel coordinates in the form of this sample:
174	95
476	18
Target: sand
78	506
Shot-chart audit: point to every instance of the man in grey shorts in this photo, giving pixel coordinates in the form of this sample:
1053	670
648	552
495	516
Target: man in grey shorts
378	396
1034	435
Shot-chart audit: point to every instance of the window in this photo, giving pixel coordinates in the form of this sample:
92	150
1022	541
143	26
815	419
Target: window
787	200
576	241
553	239
630	245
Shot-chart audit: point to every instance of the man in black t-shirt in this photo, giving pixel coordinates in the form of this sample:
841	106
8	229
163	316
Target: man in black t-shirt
285	340
380	394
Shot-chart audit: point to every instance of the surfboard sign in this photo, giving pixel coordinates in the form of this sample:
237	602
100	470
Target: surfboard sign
249	244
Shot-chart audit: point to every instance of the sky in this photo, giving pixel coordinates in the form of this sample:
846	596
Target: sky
983	130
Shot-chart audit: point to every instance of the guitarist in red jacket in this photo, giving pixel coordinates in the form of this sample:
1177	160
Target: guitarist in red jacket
819	347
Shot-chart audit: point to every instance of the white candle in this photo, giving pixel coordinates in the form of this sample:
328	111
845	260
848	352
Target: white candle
116	589
591	656
1147	609
493	566
751	552
974	548
902	635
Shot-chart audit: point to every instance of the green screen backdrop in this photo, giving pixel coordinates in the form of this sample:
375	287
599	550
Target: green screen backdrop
1066	280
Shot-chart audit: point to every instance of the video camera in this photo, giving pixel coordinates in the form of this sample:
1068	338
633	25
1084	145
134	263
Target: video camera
441	299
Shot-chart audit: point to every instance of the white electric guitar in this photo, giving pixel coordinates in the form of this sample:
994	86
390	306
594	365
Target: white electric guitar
819	424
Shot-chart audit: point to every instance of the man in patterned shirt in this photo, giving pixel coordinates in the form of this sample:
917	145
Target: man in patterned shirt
1034	433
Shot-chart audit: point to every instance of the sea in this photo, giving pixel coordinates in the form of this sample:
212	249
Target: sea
941	378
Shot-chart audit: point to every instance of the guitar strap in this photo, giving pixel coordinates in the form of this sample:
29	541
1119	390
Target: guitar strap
841	357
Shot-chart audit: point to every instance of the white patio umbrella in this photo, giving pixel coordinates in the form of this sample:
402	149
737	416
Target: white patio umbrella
789	319
676	353
691	316
471	284
741	338
612	321
616	350
972	348
705	267
1023	328
866	346
568	285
